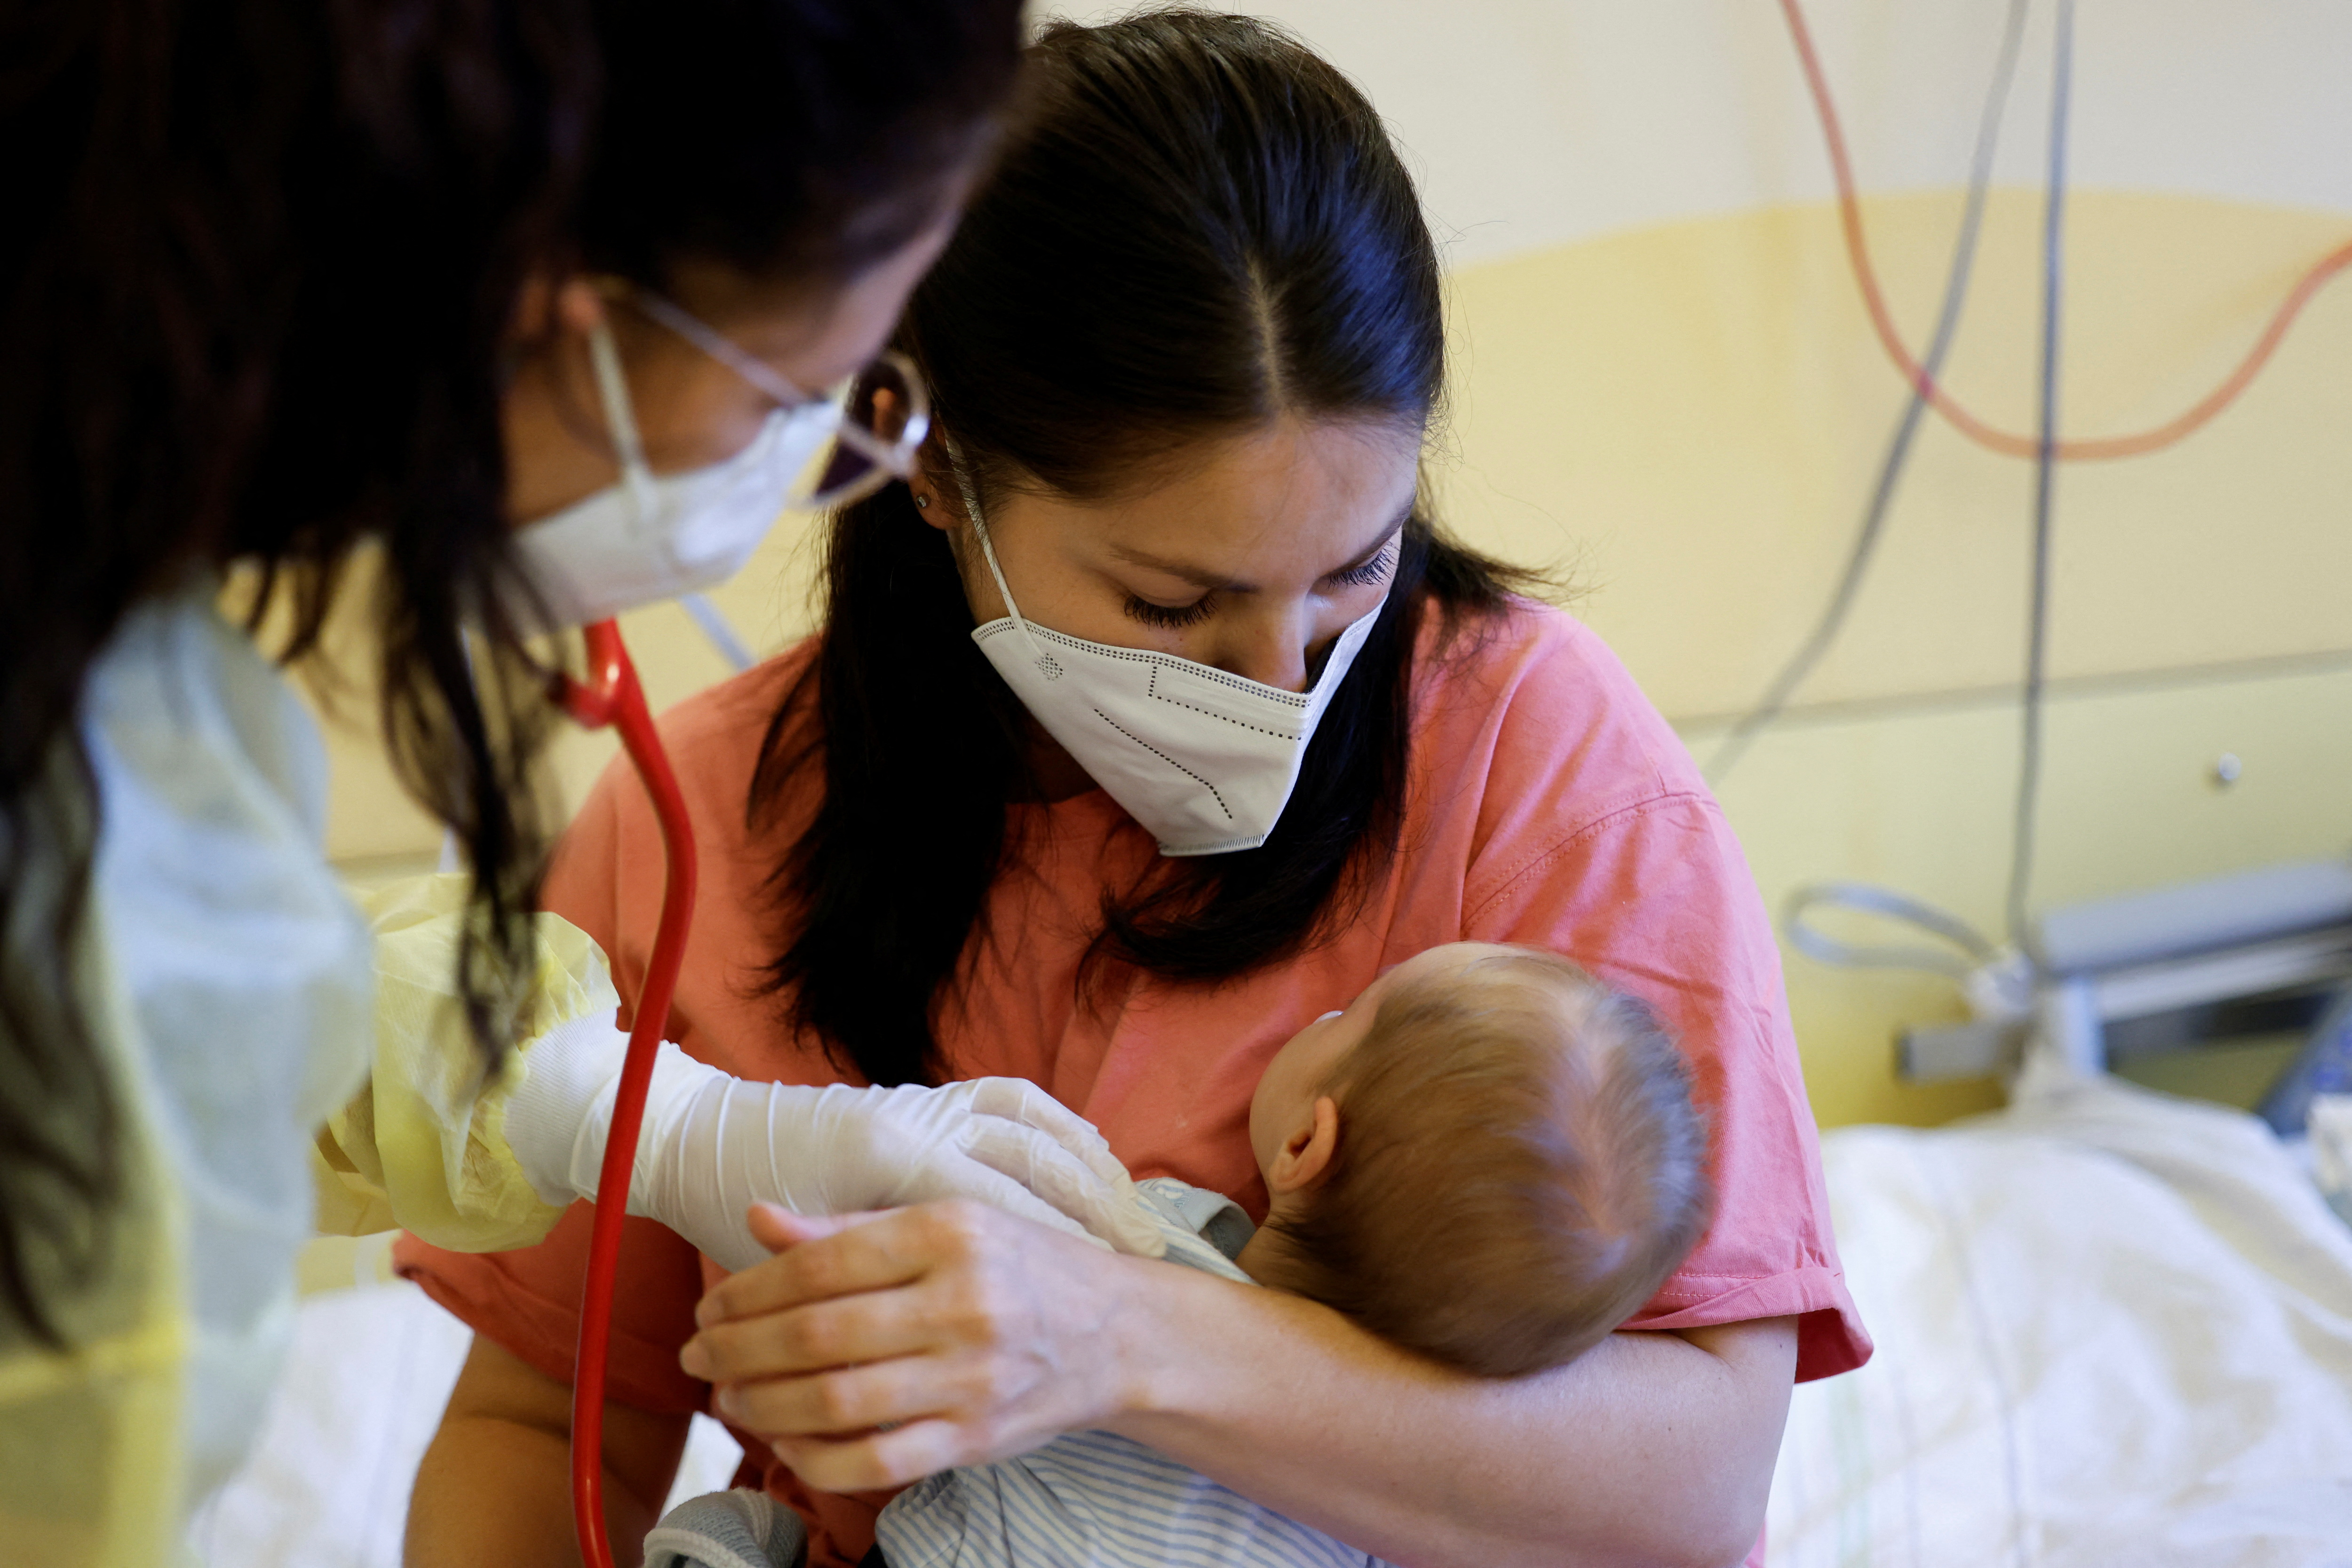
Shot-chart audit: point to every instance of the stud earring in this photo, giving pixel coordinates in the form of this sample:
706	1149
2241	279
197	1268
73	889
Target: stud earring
923	503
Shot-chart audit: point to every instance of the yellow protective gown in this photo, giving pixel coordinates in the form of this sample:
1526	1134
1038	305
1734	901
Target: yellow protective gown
274	1060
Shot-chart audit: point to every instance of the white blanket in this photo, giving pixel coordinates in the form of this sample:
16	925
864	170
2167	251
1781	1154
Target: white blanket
2113	1328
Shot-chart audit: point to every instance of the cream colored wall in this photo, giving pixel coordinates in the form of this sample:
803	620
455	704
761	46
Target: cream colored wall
1664	384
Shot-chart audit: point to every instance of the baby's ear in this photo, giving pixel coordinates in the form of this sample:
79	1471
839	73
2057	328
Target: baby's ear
1305	1157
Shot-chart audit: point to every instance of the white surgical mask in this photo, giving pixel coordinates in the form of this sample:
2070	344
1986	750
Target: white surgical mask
1203	759
657	536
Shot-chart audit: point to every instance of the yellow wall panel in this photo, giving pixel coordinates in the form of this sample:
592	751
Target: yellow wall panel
1690	417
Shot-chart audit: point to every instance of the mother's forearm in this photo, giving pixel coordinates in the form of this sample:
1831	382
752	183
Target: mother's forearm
1654	1448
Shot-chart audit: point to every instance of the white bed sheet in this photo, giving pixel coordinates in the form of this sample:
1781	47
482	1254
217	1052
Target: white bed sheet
2113	1328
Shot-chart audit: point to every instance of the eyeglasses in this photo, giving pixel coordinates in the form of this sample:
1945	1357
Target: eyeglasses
882	413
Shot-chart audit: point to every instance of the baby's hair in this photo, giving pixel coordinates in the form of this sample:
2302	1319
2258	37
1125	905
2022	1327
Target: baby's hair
1519	1168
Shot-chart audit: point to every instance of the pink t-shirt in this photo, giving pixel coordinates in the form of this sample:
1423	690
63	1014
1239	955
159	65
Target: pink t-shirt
1548	804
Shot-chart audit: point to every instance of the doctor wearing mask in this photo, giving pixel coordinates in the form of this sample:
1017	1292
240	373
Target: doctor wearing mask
410	274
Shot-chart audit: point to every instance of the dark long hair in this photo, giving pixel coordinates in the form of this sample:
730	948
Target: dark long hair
1199	227
256	285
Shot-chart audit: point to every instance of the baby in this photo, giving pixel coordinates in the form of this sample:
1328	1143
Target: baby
1488	1157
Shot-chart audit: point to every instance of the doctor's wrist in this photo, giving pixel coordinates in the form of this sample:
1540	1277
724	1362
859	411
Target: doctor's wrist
567	1074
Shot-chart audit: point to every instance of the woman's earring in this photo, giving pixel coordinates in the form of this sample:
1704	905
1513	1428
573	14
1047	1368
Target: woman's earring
923	503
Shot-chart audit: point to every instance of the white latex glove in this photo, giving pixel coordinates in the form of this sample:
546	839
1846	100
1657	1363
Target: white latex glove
713	1145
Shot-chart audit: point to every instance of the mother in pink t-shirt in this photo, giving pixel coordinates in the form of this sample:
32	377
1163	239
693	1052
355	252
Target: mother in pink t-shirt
1185	349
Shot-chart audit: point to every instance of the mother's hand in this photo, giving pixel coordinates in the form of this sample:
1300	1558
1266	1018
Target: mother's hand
874	1349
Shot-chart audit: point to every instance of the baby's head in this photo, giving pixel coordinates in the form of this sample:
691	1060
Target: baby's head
1488	1157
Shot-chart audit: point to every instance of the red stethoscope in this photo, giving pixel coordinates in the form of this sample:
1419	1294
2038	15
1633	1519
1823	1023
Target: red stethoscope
610	696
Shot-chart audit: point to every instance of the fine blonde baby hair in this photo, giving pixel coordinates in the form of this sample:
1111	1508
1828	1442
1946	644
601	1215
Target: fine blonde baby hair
1519	1168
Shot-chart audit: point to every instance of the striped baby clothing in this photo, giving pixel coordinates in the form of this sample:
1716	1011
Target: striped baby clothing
1093	1500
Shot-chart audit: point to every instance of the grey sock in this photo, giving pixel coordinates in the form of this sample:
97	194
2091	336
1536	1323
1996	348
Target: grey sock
740	1529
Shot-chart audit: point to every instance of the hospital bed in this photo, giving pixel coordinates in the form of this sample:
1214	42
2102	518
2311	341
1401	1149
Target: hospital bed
2113	1327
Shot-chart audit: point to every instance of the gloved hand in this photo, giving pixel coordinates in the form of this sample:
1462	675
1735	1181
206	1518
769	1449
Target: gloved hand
713	1145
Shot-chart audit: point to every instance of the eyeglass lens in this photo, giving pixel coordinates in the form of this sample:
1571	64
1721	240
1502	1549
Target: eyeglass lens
881	404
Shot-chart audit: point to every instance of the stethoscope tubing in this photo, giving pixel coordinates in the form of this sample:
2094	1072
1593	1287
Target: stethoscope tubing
611	695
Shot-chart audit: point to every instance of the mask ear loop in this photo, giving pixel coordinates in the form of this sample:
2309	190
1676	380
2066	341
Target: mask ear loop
621	420
1046	664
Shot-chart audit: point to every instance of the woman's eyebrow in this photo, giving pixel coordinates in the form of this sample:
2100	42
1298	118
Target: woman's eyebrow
1212	581
1198	576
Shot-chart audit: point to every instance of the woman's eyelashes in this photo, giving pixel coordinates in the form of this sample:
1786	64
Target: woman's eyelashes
1169	617
1175	617
1376	569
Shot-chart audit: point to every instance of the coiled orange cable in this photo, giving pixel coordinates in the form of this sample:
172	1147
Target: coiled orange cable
2092	450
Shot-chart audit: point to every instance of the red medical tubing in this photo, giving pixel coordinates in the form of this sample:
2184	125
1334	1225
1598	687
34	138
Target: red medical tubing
1882	320
612	696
